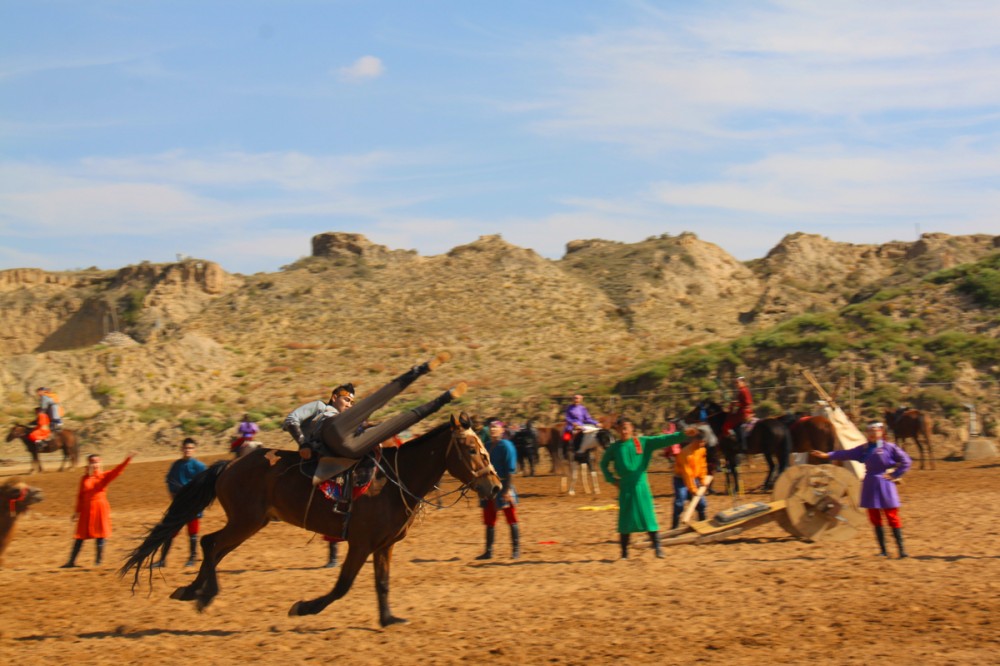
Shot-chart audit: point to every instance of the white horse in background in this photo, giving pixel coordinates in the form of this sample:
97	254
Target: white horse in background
581	459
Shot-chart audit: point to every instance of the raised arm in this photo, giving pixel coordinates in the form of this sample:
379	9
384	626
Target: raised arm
654	443
113	474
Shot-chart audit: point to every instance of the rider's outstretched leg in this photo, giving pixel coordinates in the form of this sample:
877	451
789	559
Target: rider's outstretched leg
357	446
342	427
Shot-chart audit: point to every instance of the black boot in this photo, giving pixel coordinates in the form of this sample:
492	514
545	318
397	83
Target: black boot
515	541
193	544
77	545
488	553
623	539
898	533
654	539
332	561
100	550
880	535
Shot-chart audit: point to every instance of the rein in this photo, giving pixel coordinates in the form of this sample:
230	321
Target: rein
405	492
13	502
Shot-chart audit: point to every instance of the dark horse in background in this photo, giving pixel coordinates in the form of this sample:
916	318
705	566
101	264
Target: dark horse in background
776	438
269	484
912	424
60	440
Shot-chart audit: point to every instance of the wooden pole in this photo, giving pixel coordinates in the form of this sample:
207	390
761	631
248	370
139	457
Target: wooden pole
689	511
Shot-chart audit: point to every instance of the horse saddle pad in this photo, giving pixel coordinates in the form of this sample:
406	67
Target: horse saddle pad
740	512
330	466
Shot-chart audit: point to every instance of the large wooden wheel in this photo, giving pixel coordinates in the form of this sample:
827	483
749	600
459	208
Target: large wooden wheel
821	502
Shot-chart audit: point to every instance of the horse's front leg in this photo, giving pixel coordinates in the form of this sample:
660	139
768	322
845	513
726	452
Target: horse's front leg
355	559
383	557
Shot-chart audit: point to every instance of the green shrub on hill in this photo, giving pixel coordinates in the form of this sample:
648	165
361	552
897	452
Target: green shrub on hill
980	280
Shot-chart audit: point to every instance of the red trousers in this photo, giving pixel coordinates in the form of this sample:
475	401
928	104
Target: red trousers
891	517
490	514
193	527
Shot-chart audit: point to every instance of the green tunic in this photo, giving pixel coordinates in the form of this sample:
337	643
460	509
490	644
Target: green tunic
635	500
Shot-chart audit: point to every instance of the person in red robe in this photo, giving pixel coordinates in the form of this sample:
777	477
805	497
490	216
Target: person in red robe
740	411
93	512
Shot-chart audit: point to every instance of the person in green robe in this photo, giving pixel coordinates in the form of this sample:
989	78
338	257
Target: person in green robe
630	458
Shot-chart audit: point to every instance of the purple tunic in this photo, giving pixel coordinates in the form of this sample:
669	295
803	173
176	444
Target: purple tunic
877	492
578	415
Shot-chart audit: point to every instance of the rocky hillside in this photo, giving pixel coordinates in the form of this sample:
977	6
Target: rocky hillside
150	351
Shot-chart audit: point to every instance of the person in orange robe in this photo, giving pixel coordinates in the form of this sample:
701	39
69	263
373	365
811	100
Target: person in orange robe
93	512
41	431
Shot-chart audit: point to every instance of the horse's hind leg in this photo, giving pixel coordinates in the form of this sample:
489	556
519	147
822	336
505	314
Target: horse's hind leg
215	546
348	572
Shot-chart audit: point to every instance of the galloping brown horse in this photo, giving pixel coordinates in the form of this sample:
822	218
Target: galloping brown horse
912	424
269	484
61	440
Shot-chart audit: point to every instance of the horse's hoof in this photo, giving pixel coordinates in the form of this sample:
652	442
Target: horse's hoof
300	608
392	619
182	594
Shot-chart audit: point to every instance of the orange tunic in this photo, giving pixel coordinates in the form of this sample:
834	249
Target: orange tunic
690	465
41	430
92	508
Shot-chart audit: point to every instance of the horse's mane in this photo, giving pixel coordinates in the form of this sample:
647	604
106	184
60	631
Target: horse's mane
418	441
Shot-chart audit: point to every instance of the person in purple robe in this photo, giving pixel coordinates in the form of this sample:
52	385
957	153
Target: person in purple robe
884	463
576	416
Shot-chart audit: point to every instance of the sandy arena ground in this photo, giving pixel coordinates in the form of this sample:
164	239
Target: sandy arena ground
763	598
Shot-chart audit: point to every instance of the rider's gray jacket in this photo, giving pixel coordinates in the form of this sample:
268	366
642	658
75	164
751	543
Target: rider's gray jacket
309	417
50	407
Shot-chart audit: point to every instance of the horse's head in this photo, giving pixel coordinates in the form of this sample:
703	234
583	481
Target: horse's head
468	461
18	496
17	432
604	438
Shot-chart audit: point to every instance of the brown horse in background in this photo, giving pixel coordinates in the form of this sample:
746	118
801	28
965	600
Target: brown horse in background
912	424
269	484
60	440
16	497
813	432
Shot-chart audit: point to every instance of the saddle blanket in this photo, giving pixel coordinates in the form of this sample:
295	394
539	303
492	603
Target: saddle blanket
333	489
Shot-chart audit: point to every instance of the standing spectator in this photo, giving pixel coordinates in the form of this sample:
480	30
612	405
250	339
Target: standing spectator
181	473
331	543
690	473
630	458
93	512
245	433
526	442
504	459
884	463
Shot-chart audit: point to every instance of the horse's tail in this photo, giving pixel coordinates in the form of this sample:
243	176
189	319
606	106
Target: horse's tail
188	503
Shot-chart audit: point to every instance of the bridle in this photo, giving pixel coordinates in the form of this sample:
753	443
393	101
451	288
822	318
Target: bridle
462	490
13	502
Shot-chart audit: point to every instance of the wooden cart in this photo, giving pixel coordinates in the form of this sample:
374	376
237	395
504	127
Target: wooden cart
812	502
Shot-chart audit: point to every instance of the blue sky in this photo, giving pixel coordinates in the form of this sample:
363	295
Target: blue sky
135	130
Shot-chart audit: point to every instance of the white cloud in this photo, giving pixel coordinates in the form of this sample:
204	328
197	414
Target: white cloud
362	69
767	70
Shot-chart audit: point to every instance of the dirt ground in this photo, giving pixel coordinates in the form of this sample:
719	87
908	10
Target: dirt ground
761	598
